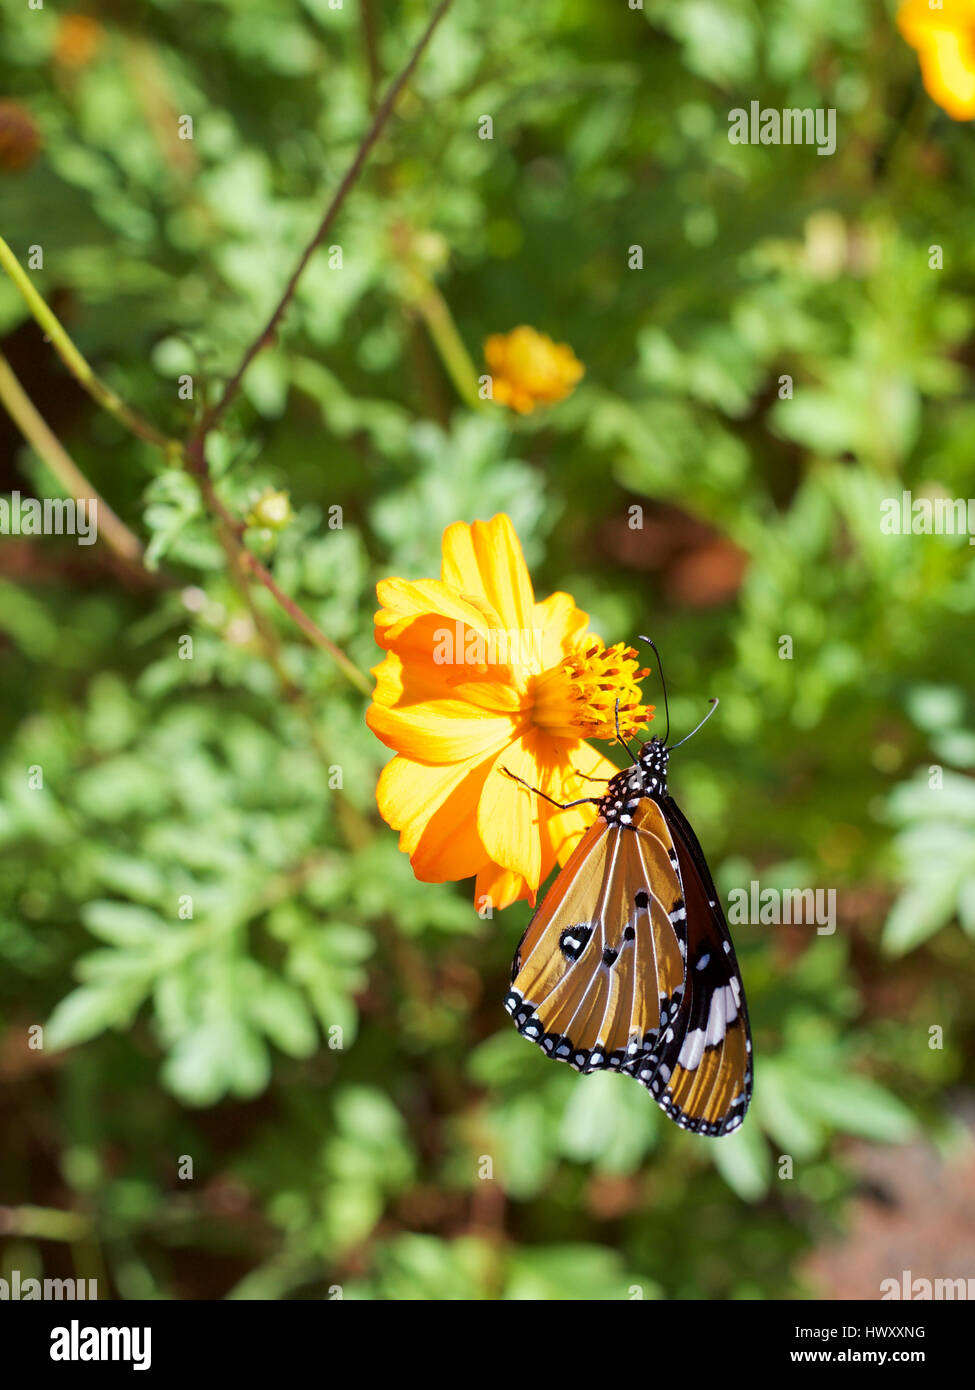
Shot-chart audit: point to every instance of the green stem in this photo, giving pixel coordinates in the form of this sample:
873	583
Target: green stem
44	1223
76	364
449	344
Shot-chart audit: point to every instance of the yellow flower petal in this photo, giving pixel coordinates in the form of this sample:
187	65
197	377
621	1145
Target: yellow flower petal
948	70
945	42
509	815
916	19
404	602
404	679
485	562
563	627
441	731
581	771
434	808
448	649
500	887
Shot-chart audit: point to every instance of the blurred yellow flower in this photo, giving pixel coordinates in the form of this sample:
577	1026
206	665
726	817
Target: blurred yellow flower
945	42
528	369
77	40
479	677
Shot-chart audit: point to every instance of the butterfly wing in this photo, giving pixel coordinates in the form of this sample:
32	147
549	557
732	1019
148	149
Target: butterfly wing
600	969
701	1073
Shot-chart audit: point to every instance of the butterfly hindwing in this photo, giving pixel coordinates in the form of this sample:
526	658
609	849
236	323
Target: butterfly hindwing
702	1076
600	969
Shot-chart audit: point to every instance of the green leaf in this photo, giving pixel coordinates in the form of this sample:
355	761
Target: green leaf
281	1012
915	917
855	1105
608	1120
744	1161
571	1272
123	924
786	1121
88	1011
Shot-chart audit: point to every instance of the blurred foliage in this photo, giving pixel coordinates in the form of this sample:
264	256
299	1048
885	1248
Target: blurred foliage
230	956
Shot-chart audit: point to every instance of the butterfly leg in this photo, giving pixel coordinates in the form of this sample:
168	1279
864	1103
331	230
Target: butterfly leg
562	805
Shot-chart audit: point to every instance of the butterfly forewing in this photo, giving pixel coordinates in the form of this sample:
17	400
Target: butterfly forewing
600	968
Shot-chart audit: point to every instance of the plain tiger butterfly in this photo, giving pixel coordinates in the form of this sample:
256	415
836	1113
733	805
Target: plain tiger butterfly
628	964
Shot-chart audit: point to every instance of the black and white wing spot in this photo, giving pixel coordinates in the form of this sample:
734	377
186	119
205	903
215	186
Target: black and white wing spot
574	940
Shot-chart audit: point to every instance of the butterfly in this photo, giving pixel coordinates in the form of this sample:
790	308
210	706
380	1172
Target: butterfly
628	965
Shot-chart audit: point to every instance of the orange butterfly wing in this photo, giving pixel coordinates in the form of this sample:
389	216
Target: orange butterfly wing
600	969
628	964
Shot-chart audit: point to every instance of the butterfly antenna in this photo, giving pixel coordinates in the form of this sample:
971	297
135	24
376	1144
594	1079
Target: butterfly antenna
714	705
619	736
660	667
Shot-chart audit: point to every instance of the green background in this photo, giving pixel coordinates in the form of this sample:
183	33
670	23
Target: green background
318	1168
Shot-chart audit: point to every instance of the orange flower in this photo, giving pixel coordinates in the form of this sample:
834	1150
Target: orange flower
480	677
77	40
945	41
528	369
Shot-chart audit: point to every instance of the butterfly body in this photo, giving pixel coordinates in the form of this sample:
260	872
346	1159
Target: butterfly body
628	964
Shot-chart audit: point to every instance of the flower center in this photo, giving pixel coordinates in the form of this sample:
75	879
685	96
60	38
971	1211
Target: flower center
577	698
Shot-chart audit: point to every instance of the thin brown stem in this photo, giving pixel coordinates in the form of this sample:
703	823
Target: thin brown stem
232	529
216	412
263	627
356	827
310	628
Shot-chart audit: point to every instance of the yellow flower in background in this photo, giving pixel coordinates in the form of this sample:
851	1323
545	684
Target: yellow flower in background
945	42
77	40
478	677
528	369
